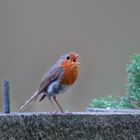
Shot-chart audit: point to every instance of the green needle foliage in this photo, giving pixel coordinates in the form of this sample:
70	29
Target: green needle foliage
109	102
131	100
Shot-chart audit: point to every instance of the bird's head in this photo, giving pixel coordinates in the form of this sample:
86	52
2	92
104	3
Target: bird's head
69	59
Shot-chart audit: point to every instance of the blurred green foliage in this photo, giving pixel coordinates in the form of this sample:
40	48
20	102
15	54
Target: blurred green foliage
110	102
131	99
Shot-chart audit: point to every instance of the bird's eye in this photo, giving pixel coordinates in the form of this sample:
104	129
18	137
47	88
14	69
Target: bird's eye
68	57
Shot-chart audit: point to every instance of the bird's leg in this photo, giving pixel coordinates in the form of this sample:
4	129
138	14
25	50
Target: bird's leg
52	104
54	97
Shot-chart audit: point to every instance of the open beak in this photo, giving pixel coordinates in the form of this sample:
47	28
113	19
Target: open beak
77	55
78	63
77	60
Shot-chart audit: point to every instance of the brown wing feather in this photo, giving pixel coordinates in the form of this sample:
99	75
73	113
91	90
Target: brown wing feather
51	76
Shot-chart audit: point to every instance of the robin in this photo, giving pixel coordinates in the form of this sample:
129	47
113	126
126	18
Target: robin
57	80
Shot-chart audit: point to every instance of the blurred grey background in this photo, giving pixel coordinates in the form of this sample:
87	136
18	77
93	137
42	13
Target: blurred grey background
34	33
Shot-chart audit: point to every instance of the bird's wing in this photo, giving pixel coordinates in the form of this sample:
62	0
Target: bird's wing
55	73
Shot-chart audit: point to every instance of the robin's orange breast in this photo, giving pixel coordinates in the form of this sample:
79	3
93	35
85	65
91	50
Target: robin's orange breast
70	74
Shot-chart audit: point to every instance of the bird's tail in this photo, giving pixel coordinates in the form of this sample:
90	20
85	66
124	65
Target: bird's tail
34	97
